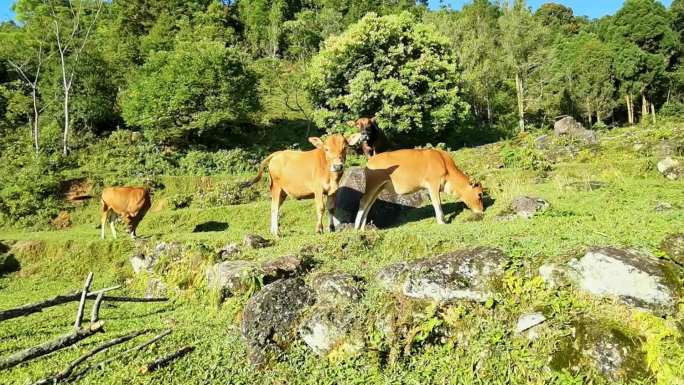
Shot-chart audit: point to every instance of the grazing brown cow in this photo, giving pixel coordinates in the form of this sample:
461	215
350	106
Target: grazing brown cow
307	174
407	171
373	140
130	203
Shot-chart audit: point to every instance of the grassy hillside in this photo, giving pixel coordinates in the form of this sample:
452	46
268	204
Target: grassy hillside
599	195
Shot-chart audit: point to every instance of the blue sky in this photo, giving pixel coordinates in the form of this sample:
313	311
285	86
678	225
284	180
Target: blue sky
591	8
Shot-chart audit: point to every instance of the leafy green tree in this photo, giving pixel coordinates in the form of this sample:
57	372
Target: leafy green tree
309	29
524	41
263	21
393	67
645	44
198	86
558	18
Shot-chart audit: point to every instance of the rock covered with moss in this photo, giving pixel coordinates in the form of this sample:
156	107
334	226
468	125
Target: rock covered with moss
635	278
607	348
673	246
468	274
233	277
270	317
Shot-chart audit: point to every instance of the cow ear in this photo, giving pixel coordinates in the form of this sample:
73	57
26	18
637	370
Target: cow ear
374	120
316	141
354	139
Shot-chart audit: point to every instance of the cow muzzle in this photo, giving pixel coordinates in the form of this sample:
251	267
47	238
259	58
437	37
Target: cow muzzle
336	167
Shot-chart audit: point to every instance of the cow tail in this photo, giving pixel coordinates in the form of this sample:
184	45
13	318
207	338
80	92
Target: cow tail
262	166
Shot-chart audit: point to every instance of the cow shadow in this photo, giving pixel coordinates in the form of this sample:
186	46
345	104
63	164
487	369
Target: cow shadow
210	226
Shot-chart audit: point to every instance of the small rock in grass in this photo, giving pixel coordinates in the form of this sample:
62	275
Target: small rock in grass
287	266
233	277
527	207
670	168
229	250
529	322
663	206
256	241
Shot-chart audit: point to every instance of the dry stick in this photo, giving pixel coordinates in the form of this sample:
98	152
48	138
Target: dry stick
64	374
95	315
131	350
81	304
165	360
54	301
50	346
134	299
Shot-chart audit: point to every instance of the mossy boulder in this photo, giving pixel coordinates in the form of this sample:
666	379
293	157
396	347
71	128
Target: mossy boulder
270	317
607	348
635	278
468	274
233	277
331	324
673	246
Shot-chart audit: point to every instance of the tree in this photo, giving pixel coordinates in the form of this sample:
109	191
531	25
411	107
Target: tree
393	67
645	45
523	39
263	20
195	87
558	18
474	34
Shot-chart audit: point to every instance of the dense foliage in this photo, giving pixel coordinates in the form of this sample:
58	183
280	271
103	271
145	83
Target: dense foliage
208	75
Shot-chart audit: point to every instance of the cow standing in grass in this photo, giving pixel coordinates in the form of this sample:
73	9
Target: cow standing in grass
307	174
129	203
407	171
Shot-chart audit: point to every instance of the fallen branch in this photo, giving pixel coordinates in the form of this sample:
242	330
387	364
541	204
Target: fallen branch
134	299
95	315
64	374
50	346
54	301
81	304
131	350
166	360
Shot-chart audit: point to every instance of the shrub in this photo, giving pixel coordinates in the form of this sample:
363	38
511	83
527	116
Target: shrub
393	67
235	161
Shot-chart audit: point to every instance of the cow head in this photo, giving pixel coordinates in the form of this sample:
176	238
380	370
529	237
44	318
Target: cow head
472	197
365	127
335	149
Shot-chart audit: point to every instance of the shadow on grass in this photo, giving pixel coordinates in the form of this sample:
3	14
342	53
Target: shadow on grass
210	226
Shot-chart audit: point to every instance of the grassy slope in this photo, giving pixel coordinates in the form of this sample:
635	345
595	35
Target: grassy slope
619	214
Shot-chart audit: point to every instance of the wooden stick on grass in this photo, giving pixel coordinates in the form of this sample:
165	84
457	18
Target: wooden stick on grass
64	374
95	315
37	307
50	346
166	360
81	304
102	364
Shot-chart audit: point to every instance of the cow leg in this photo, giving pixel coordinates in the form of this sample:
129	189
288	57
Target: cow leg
331	212
277	198
374	187
111	224
104	216
320	210
436	203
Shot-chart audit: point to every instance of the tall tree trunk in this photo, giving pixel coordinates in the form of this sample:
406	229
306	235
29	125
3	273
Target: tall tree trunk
36	142
630	109
65	139
653	113
521	103
489	111
644	106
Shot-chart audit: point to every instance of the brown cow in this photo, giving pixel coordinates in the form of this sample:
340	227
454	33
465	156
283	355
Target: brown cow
307	174
373	140
130	203
407	171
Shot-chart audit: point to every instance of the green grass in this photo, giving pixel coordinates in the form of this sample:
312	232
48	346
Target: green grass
479	347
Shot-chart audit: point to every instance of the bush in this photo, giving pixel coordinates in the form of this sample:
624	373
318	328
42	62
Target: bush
393	67
672	110
29	185
198	86
235	161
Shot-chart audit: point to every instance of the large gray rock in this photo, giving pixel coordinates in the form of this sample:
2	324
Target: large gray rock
386	210
527	207
146	258
568	126
670	168
635	278
233	277
269	319
616	355
460	275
